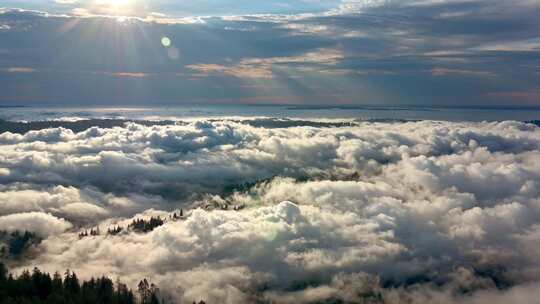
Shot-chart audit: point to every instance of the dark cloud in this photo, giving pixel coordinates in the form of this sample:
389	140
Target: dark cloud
388	54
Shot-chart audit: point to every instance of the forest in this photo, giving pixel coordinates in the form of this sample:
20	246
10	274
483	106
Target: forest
39	287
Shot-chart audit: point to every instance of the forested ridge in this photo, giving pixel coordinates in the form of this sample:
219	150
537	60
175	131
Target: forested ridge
40	287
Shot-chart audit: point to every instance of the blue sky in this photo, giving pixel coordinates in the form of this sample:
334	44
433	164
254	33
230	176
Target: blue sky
428	52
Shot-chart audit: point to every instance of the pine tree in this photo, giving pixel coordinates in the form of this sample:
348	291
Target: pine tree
154	299
38	287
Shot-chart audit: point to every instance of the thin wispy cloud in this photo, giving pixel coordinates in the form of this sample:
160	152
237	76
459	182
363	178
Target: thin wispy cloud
19	70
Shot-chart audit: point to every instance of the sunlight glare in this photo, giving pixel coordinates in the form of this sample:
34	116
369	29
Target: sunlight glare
118	3
115	7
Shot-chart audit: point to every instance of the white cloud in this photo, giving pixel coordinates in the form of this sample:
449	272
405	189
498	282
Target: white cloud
421	210
43	224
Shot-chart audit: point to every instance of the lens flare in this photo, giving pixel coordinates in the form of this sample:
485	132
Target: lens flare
173	53
166	41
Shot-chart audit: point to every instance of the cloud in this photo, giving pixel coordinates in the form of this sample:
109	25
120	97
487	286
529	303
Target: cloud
240	71
43	224
438	71
284	211
263	67
191	154
82	206
19	69
425	211
355	6
356	56
128	74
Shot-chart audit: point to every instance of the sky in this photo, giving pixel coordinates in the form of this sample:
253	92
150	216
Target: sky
351	52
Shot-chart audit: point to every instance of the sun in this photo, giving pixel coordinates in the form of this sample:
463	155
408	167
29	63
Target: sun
114	7
119	3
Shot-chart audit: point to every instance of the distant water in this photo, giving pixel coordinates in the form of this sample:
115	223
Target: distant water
302	112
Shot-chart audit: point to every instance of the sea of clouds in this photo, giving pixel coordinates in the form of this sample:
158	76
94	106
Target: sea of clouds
372	212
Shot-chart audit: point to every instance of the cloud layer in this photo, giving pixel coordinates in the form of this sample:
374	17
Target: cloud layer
479	52
398	212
